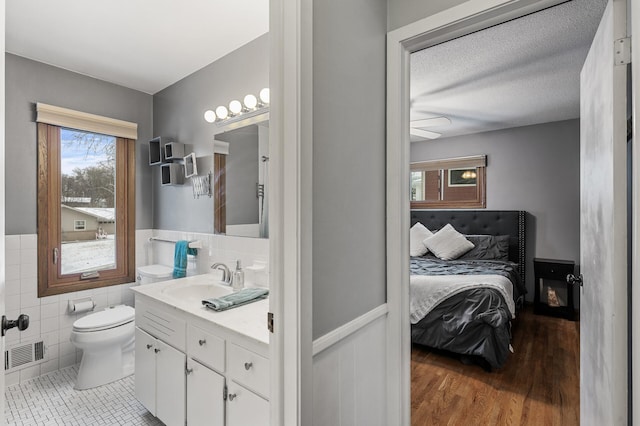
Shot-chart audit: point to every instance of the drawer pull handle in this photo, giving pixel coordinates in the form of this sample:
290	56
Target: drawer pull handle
156	350
189	371
232	396
149	346
202	342
248	365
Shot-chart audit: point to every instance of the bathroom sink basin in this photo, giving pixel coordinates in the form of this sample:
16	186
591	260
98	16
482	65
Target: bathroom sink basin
196	292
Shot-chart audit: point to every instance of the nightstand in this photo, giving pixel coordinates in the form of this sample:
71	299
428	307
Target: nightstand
553	295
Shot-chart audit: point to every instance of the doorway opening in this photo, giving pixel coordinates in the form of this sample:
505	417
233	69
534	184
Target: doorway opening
532	164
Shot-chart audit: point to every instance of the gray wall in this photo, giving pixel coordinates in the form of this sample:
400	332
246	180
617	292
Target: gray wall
178	115
28	82
348	160
404	12
241	168
532	168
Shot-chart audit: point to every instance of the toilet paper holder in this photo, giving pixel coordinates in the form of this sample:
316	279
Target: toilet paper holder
81	305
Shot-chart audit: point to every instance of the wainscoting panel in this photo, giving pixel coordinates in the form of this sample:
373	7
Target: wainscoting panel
349	377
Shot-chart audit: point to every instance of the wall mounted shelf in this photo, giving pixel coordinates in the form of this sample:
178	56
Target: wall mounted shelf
172	174
173	151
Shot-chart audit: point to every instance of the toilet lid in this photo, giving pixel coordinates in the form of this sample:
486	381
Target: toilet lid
155	271
109	318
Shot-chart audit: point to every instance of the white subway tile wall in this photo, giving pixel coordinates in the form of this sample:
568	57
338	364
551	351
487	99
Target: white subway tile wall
49	317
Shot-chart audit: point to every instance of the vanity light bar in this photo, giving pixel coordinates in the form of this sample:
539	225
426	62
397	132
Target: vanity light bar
250	104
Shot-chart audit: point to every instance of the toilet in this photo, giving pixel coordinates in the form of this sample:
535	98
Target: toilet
153	273
107	342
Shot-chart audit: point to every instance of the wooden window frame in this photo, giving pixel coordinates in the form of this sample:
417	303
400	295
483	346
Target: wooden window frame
84	225
478	161
50	279
219	193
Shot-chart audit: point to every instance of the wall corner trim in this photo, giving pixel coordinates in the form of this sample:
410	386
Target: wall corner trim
344	331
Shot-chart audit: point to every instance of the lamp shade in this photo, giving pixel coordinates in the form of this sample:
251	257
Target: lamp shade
264	95
222	112
235	107
250	101
209	116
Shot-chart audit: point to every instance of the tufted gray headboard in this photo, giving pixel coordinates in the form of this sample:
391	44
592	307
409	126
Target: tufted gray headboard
481	222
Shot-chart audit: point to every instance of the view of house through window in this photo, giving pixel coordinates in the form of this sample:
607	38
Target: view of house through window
86	204
449	183
87	189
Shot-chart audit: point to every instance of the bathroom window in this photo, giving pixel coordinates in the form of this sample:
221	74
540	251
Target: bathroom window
86	209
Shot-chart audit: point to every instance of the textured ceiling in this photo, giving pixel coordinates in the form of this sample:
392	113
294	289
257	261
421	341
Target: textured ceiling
520	73
145	45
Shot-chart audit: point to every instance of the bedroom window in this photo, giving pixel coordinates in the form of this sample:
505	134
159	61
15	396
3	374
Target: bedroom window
86	204
457	183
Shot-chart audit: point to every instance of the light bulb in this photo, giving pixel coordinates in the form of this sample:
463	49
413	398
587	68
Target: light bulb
264	95
222	112
250	101
235	107
209	116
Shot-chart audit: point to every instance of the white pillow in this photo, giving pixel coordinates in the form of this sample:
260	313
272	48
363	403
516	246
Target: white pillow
448	244
417	235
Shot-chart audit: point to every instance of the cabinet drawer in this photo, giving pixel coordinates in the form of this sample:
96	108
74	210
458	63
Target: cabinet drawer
162	325
206	348
553	271
248	369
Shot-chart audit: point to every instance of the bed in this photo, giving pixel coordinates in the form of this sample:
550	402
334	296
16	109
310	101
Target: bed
465	306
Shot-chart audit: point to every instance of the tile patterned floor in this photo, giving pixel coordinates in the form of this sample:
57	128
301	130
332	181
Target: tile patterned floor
51	400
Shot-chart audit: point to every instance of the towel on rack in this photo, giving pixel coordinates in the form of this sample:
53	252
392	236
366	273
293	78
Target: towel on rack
180	258
239	298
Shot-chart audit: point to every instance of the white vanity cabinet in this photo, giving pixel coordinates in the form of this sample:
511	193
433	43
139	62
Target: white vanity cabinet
205	390
160	379
196	372
245	407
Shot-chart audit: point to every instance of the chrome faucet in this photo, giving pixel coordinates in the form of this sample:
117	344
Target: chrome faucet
226	273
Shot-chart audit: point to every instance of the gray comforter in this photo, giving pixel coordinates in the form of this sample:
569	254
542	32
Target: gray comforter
474	323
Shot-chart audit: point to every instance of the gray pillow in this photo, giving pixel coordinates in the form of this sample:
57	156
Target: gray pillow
488	247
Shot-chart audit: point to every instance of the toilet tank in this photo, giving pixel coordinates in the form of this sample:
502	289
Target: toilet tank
153	273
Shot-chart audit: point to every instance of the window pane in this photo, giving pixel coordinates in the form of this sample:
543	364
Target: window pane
417	186
460	185
87	211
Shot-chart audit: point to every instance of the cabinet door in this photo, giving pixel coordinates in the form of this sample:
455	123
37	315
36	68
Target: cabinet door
205	388
245	407
170	385
145	377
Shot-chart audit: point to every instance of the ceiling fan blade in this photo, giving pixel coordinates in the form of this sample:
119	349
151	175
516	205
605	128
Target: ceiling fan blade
424	133
431	122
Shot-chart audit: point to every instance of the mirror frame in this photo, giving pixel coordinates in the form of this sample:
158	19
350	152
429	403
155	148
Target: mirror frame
219	163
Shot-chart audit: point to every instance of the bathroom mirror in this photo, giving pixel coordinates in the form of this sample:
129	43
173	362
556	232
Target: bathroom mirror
240	186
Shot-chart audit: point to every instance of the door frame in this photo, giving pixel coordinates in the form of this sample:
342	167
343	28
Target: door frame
457	21
2	192
634	16
290	198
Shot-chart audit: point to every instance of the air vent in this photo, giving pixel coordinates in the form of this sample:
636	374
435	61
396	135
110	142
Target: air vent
23	354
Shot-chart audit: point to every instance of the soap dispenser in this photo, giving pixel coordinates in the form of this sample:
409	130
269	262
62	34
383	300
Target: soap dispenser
237	283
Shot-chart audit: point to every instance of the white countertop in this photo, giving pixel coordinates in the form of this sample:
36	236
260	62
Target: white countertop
248	320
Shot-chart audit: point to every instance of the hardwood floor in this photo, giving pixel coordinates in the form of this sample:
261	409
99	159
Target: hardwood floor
539	385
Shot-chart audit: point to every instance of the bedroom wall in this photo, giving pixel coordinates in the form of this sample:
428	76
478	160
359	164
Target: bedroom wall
178	115
28	82
532	168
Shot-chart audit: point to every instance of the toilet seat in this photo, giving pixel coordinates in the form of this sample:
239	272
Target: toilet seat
103	320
